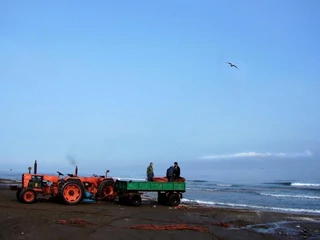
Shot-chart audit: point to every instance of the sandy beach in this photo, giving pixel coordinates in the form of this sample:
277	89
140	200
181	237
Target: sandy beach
102	220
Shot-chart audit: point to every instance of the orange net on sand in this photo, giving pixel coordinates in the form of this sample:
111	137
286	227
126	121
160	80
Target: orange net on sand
73	222
181	207
223	224
164	179
171	227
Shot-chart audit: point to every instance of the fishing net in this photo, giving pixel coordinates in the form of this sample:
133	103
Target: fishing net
170	227
164	179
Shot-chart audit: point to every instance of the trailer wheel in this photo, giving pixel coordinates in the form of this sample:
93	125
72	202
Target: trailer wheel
174	199
135	200
106	190
27	195
72	192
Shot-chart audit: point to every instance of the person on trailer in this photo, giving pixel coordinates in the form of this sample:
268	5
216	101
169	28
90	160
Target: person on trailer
150	173
176	172
169	174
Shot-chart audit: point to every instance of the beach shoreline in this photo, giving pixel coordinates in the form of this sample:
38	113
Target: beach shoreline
7	183
48	220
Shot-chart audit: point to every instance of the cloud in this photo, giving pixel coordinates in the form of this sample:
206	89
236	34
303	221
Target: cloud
306	153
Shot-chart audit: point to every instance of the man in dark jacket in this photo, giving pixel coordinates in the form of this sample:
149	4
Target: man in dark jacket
176	172
170	171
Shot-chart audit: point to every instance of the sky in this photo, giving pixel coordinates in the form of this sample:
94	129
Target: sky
120	84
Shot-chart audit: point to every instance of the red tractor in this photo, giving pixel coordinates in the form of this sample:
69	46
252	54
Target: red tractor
71	189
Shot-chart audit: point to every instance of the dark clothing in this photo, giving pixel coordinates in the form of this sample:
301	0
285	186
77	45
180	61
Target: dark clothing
149	170
169	175
150	177
176	172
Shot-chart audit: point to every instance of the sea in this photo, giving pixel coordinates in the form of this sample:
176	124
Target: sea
281	195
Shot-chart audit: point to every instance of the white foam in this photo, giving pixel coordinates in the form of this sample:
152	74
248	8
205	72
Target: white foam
224	185
290	196
201	190
211	189
236	205
306	184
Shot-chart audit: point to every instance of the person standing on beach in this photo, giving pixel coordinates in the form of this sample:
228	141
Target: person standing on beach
150	173
176	172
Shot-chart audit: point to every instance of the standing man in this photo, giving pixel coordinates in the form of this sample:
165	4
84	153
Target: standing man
176	172
169	174
150	173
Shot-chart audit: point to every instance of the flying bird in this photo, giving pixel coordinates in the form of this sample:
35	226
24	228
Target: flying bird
232	65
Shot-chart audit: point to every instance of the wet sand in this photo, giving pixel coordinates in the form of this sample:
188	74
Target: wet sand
103	220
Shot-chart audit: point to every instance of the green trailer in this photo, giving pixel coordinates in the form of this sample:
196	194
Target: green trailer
169	193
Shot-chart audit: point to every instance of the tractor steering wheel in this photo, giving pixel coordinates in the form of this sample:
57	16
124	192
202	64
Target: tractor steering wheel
61	174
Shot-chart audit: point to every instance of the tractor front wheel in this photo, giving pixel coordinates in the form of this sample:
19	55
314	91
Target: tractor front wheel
27	195
72	192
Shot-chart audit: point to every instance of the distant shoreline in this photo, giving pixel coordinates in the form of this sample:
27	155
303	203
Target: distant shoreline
5	181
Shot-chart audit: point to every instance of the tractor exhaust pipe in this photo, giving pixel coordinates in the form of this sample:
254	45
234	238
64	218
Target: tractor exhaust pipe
35	167
76	171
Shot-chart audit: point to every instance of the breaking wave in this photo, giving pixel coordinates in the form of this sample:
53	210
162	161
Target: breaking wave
305	184
296	184
201	189
248	206
290	196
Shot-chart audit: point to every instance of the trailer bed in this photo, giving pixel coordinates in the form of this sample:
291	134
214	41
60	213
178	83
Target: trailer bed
125	186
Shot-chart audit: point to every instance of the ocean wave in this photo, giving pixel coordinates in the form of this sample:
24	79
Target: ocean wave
290	196
198	181
211	184
211	189
305	184
237	205
224	185
202	190
295	184
280	183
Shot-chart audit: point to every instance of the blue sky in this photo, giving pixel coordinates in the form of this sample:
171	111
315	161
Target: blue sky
122	84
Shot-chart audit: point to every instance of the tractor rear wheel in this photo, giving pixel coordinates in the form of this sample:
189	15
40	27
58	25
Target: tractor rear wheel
106	190
72	192
174	199
27	195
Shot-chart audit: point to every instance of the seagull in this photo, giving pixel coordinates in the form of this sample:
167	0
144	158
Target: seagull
232	65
